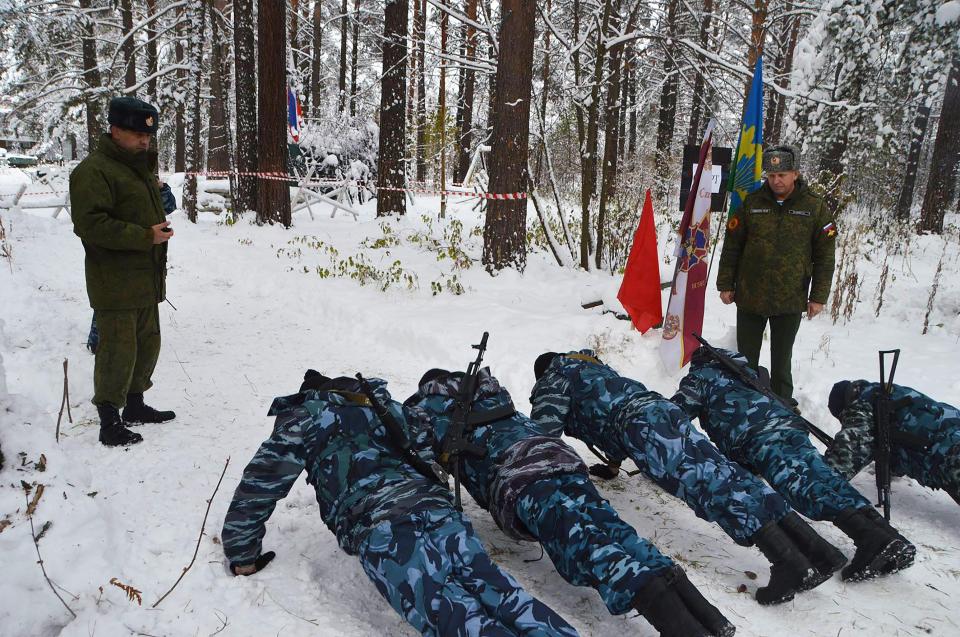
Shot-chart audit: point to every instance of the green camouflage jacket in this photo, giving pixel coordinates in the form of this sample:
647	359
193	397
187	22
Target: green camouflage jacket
114	199
776	257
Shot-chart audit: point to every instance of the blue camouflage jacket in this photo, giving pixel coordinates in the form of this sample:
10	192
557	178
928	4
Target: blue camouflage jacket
433	406
930	451
729	410
587	400
359	475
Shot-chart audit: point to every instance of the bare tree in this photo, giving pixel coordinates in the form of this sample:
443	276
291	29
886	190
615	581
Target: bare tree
419	35
465	105
273	194
354	49
946	155
317	57
393	118
245	88
151	55
342	82
504	233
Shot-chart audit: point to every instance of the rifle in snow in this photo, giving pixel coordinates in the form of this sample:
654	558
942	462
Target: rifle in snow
882	435
741	373
455	442
396	432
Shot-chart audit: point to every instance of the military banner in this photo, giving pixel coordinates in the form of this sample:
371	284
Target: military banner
746	175
685	307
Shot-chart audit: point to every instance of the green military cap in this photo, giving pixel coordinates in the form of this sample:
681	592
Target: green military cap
133	114
781	159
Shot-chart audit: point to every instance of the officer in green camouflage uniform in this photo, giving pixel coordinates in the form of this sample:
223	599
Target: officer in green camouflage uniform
117	213
777	262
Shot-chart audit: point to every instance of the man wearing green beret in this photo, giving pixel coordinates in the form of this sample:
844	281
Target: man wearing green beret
118	214
777	262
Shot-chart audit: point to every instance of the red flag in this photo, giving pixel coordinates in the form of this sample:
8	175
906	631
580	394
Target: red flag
640	291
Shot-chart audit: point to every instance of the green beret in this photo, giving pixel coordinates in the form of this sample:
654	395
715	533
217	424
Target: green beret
781	159
133	114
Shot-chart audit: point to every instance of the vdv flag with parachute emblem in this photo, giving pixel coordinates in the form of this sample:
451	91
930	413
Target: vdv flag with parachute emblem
294	114
746	175
685	307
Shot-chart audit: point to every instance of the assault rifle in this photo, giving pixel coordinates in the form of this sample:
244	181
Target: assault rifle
397	434
455	442
754	384
882	435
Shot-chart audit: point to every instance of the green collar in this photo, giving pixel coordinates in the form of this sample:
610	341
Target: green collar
145	162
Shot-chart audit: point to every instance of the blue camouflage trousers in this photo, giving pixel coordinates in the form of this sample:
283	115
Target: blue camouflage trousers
665	446
587	541
659	438
434	571
786	458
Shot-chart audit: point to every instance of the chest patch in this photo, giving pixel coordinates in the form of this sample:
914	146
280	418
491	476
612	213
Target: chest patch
800	213
760	211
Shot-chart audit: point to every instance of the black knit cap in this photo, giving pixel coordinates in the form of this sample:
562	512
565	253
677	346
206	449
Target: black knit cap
839	398
133	114
542	363
313	379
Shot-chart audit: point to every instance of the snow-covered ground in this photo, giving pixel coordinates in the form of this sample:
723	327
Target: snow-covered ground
253	313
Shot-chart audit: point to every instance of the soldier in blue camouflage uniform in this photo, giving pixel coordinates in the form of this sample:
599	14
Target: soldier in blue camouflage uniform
419	551
925	435
580	396
770	439
537	488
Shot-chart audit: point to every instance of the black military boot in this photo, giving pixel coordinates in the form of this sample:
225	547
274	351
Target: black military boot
881	550
790	570
137	413
704	611
112	431
825	557
665	606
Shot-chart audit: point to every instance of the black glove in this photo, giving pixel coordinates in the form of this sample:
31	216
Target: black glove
604	471
258	566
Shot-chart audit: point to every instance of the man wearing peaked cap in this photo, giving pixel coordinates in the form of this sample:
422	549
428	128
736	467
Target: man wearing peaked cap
777	263
118	214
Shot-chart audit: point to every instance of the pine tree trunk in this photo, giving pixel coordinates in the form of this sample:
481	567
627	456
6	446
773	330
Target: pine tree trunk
273	195
217	143
442	112
946	156
393	119
316	58
294	35
419	34
342	82
544	95
151	34
91	75
129	44
245	88
772	128
758	32
504	233
194	152
465	142
354	47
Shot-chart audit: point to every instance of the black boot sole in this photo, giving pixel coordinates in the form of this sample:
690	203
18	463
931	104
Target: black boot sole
897	555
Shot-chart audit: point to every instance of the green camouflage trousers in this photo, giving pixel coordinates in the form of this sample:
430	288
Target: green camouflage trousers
127	353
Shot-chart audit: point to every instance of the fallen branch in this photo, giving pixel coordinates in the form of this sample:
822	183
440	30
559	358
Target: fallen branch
64	401
33	536
199	537
133	594
32	504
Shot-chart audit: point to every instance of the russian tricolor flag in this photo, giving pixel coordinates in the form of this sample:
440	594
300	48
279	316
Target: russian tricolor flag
294	114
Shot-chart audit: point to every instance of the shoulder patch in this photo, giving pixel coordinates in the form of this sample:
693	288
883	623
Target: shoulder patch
830	229
733	224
